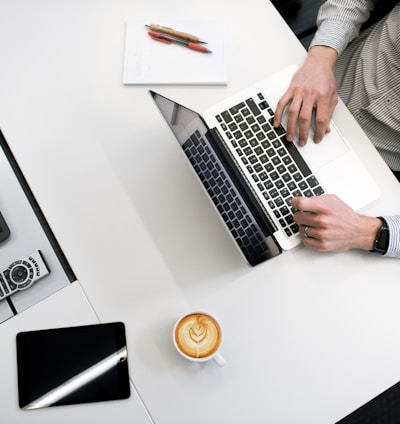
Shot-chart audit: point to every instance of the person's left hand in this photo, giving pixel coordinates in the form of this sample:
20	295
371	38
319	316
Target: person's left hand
328	224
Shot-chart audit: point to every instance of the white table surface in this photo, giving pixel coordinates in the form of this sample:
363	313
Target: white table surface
309	336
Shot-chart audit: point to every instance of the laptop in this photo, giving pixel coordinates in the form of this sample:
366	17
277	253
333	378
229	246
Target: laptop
251	172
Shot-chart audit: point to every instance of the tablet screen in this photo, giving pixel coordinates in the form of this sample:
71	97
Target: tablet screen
72	365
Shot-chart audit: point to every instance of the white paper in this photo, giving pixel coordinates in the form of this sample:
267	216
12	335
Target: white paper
151	62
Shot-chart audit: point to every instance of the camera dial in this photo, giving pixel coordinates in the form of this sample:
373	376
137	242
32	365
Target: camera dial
22	274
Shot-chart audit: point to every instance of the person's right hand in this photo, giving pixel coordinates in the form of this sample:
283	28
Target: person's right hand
312	89
329	224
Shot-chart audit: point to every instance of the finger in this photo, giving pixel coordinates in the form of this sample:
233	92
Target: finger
313	204
313	243
305	219
304	230
323	117
292	118
283	102
300	203
320	130
305	117
311	232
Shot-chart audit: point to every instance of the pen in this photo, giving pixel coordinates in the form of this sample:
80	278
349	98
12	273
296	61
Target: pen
169	40
178	34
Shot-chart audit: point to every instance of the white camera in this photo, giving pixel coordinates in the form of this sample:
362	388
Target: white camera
22	273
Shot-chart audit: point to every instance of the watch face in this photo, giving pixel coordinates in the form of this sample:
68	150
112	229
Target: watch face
382	239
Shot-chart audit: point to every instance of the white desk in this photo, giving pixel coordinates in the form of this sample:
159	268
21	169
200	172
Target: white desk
309	336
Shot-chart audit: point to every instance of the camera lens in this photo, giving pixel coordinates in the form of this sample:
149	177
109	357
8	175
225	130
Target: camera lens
19	274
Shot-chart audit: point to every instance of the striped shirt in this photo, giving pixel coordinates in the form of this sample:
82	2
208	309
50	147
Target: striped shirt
368	77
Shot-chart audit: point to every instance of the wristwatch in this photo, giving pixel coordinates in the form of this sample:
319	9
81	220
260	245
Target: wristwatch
382	238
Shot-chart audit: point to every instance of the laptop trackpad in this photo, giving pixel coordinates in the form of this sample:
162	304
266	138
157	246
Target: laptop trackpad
329	149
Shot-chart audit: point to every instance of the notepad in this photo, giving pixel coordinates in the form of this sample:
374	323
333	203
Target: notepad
150	62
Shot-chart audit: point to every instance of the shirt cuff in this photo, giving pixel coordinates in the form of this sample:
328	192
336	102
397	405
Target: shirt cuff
332	34
393	223
335	34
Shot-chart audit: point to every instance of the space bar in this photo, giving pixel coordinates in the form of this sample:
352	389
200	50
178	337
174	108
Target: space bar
298	159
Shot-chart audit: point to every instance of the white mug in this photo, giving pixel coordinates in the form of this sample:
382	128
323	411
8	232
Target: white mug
198	337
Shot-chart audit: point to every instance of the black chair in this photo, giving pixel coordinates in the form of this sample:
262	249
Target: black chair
301	15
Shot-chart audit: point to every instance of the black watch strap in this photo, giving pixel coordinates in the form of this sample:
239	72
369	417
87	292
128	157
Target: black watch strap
381	244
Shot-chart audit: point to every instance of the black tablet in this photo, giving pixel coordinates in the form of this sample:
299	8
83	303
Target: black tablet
72	365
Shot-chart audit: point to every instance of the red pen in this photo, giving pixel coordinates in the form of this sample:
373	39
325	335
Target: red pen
169	40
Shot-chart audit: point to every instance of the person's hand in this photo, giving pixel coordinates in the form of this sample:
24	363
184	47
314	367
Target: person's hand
312	94
328	224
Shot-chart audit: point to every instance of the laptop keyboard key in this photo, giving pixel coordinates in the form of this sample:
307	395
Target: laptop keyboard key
277	167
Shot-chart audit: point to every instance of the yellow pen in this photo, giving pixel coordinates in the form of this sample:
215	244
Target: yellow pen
174	33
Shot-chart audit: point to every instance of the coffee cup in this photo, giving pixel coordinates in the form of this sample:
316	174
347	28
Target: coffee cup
198	337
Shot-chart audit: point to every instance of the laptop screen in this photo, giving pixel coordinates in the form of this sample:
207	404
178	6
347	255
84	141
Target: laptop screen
182	121
221	180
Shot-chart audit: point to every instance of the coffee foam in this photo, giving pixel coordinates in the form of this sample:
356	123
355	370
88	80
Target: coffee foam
198	335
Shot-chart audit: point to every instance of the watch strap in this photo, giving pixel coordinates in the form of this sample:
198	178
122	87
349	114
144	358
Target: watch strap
381	244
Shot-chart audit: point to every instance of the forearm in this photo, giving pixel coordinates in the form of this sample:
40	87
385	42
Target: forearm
322	58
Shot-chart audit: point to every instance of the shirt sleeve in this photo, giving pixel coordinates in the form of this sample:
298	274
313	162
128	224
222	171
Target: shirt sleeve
340	21
393	223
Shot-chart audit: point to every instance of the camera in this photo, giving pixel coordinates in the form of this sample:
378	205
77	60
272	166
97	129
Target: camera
21	274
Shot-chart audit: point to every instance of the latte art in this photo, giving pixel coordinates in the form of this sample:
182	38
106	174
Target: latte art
198	335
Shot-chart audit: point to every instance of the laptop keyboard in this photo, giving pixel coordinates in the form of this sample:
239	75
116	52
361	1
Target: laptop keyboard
232	208
274	165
